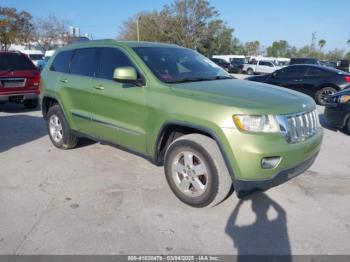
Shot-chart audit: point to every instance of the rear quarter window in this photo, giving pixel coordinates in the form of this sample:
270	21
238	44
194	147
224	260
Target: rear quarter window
15	61
61	62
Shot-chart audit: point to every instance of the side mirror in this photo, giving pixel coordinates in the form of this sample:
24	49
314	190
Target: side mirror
128	75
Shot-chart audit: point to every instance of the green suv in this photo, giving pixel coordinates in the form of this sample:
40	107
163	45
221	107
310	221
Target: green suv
178	109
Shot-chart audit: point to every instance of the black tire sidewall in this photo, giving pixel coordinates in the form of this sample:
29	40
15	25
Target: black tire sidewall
56	110
213	181
319	92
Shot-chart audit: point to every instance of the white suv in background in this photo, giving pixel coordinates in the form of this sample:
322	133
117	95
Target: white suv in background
260	67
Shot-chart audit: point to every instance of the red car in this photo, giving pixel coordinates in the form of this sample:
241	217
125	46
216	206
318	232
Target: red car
19	79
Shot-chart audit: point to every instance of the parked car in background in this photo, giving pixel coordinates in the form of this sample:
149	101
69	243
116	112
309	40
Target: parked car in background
222	63
329	63
337	110
19	79
47	56
35	55
314	80
179	110
298	61
344	65
237	65
260	67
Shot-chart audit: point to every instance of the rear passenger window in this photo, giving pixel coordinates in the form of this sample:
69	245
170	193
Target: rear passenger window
110	59
315	72
61	62
84	62
15	61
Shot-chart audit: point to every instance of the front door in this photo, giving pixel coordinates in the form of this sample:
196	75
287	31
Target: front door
118	110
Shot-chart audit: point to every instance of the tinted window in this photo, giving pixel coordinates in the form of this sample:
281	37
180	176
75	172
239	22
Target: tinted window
15	61
36	57
110	59
291	72
62	61
311	71
84	62
263	63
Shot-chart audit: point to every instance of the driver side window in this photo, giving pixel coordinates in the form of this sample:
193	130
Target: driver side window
111	58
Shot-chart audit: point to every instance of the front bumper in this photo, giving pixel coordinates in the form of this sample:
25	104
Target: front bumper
244	188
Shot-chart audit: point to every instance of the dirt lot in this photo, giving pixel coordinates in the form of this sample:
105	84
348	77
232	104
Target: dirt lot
97	199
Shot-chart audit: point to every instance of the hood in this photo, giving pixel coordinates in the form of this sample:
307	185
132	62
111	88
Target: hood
247	96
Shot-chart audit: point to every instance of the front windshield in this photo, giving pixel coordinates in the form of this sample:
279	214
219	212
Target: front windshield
178	65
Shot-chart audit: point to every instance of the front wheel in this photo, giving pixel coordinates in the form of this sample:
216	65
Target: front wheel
347	126
59	132
196	172
322	95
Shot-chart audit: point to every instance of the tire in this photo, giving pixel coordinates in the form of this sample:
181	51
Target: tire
321	95
31	104
250	71
204	155
59	131
347	126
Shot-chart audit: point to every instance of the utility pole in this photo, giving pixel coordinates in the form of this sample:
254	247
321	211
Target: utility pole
313	40
138	29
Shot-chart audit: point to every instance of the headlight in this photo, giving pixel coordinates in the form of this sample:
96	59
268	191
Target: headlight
257	123
344	99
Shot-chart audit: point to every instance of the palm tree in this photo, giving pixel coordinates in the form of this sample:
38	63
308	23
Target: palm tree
322	43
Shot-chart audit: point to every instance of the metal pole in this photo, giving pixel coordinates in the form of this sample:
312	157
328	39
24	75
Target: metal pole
137	28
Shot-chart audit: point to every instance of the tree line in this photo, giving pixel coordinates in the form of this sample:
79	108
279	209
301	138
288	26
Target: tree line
190	23
19	27
196	24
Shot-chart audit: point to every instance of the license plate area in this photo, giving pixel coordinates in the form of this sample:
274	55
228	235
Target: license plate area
12	82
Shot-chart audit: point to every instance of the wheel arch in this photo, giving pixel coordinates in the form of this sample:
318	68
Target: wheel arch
168	133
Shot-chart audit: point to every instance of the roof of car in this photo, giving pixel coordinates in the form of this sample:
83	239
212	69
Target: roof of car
120	43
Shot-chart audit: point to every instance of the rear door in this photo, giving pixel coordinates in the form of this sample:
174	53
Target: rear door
75	88
263	67
118	110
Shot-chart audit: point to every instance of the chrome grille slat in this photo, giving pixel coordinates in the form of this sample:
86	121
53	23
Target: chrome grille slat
301	126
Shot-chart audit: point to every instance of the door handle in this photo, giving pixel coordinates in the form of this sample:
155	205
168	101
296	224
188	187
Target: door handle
64	81
99	87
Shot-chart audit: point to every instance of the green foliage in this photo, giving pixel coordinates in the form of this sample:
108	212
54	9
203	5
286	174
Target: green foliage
252	48
190	23
322	43
15	27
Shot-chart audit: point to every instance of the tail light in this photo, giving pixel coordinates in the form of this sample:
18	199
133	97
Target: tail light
347	79
34	81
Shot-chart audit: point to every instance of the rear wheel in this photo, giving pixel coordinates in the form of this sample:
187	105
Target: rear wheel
250	71
31	104
59	132
322	94
196	172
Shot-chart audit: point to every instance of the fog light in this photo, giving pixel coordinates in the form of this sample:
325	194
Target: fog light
270	162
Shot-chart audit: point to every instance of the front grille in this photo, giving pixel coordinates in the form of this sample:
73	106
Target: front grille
300	127
12	82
